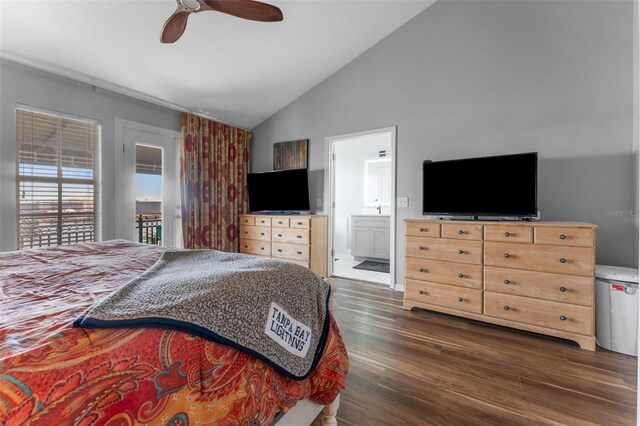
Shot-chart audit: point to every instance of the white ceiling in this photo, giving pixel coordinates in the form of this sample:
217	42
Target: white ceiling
235	70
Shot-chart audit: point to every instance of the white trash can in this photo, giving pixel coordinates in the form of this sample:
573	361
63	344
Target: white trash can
617	309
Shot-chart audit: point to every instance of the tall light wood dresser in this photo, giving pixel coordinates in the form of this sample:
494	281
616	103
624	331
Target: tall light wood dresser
298	239
534	276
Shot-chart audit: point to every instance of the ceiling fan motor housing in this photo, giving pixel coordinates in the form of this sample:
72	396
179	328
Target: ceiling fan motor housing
192	5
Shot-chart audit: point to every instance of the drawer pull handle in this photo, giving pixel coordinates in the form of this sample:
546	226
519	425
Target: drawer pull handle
563	289
507	255
563	260
507	282
299	236
507	234
563	237
262	233
246	246
420	292
563	318
460	251
460	299
421	248
299	253
460	275
279	235
460	232
421	270
261	248
279	250
299	223
421	229
506	307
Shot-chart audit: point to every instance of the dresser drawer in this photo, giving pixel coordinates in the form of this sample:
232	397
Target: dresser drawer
261	248
508	234
290	235
556	287
297	262
452	273
544	313
290	251
462	231
462	299
422	229
300	222
247	220
582	237
280	222
544	258
263	221
447	250
261	233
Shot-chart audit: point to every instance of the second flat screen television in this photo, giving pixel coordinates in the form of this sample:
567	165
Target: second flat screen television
503	185
282	191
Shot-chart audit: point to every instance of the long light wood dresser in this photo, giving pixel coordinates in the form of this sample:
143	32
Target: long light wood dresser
300	239
534	276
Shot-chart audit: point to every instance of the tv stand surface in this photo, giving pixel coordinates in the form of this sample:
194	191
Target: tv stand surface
488	219
282	213
466	218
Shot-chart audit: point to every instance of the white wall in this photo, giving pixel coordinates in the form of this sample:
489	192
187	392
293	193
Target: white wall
474	78
20	84
351	155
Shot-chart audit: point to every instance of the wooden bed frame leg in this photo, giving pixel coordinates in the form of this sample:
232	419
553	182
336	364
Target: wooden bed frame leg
329	413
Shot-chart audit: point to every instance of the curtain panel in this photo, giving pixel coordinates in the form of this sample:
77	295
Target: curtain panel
214	161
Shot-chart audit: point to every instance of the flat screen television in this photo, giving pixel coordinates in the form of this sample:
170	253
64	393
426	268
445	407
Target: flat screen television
505	185
281	191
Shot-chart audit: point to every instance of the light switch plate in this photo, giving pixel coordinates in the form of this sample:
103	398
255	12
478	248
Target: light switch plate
319	202
403	201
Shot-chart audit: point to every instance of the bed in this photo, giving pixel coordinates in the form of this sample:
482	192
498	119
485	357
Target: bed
52	373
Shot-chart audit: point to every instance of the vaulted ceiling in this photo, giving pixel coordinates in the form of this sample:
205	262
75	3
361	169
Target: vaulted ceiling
234	70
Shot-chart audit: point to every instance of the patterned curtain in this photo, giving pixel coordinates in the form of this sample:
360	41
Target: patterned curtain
214	161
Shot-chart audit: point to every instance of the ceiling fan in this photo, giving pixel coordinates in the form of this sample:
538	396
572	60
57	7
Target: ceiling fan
246	9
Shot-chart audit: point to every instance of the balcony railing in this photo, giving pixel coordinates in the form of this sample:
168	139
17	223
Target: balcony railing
149	229
42	230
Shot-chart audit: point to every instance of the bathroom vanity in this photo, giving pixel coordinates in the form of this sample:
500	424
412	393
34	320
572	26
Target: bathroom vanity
370	236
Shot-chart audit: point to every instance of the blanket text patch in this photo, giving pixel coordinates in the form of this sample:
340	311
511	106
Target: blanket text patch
292	335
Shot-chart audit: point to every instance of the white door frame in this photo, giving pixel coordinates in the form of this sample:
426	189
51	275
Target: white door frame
126	191
329	192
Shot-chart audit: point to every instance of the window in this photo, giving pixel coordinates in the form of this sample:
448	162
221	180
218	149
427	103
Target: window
57	179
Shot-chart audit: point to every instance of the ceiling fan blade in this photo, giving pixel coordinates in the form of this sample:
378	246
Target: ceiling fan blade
174	27
247	9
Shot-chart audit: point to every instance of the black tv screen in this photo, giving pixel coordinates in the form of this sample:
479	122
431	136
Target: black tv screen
504	185
278	191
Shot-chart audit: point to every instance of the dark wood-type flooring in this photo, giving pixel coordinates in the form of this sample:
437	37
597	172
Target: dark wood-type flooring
420	368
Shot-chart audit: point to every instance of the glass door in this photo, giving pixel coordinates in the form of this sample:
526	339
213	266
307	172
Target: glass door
148	214
147	184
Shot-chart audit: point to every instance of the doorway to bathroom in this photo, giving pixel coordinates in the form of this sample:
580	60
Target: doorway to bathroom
362	205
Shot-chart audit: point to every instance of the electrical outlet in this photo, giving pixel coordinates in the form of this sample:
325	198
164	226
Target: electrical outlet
403	201
319	203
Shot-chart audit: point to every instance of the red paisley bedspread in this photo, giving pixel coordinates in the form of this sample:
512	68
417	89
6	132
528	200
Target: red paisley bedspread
51	373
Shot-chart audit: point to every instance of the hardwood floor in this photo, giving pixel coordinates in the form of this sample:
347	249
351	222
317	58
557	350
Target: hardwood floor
419	368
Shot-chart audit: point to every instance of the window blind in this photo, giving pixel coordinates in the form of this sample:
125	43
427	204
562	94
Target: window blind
57	185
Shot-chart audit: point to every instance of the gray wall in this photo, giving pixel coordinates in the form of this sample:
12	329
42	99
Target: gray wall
20	84
466	79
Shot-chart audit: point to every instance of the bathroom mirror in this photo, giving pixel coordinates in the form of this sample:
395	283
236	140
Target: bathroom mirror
377	182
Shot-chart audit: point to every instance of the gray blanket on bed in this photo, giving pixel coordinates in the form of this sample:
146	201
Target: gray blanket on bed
276	311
